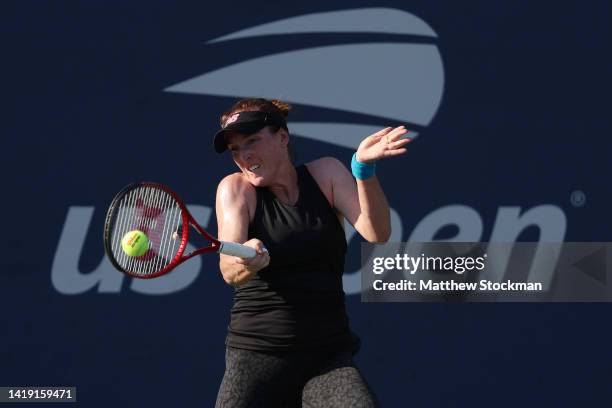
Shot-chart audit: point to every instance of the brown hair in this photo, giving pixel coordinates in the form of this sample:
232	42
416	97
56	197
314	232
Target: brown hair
258	105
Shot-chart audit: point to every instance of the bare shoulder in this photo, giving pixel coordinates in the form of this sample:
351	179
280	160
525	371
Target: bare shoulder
235	183
325	170
325	167
234	191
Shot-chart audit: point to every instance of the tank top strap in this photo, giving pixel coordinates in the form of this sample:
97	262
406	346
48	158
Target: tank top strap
260	193
310	188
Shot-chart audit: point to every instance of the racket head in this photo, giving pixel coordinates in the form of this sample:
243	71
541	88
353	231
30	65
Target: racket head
157	211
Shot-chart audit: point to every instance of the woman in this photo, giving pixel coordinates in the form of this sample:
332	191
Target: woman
289	342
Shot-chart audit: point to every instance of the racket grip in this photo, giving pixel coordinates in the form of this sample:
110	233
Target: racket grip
234	249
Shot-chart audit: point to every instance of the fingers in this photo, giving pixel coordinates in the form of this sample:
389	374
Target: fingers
260	260
255	263
389	134
265	260
396	152
396	133
256	244
398	143
376	137
259	248
382	132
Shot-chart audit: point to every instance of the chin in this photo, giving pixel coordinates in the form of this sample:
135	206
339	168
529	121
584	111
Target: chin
257	181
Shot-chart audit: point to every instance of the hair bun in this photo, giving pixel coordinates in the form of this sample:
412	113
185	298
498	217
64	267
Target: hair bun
284	107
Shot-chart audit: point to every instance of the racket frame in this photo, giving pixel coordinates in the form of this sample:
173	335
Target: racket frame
186	218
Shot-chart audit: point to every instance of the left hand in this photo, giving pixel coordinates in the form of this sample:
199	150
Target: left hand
387	142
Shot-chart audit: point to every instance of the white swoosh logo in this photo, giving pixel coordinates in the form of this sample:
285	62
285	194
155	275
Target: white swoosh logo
399	81
365	20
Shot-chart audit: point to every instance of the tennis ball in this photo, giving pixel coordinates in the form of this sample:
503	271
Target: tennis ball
135	243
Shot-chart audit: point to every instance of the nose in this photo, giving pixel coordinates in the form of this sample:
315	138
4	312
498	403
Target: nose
245	155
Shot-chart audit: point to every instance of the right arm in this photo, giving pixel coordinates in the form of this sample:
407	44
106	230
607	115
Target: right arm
235	204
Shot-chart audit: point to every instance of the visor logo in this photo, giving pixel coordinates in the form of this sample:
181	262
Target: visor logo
231	120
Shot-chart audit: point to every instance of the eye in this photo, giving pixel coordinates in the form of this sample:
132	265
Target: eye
253	140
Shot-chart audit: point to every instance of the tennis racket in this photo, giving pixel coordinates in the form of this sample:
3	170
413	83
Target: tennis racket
162	216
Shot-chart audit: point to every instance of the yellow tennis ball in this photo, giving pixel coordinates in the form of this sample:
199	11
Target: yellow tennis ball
135	243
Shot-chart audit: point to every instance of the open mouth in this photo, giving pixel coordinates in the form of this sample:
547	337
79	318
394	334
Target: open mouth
254	167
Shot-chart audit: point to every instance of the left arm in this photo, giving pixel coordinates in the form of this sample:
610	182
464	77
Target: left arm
363	202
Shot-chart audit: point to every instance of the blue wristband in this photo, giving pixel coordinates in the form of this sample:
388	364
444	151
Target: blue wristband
362	171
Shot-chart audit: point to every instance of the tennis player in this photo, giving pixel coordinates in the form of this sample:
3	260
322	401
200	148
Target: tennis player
289	343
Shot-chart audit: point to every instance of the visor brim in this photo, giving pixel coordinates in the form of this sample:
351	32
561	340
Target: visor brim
240	128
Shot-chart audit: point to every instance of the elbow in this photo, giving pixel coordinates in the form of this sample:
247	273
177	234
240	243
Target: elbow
227	275
375	233
383	233
234	281
234	277
384	239
228	280
380	236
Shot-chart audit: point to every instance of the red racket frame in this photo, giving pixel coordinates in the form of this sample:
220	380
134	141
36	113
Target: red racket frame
186	218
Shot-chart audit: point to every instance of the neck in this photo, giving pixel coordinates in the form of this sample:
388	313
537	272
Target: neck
285	186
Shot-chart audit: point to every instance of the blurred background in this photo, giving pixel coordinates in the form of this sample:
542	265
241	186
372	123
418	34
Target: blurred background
509	104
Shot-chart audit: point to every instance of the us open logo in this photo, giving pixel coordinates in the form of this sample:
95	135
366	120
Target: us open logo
399	82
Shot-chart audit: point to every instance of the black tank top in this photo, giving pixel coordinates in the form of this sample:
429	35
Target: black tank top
297	301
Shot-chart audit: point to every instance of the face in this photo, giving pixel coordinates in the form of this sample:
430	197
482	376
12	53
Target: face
258	155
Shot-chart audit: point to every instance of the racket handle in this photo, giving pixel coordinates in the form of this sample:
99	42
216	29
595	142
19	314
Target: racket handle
234	249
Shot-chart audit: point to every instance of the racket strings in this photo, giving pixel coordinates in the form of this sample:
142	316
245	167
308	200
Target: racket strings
156	213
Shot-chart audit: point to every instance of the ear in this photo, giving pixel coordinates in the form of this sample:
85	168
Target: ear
284	137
